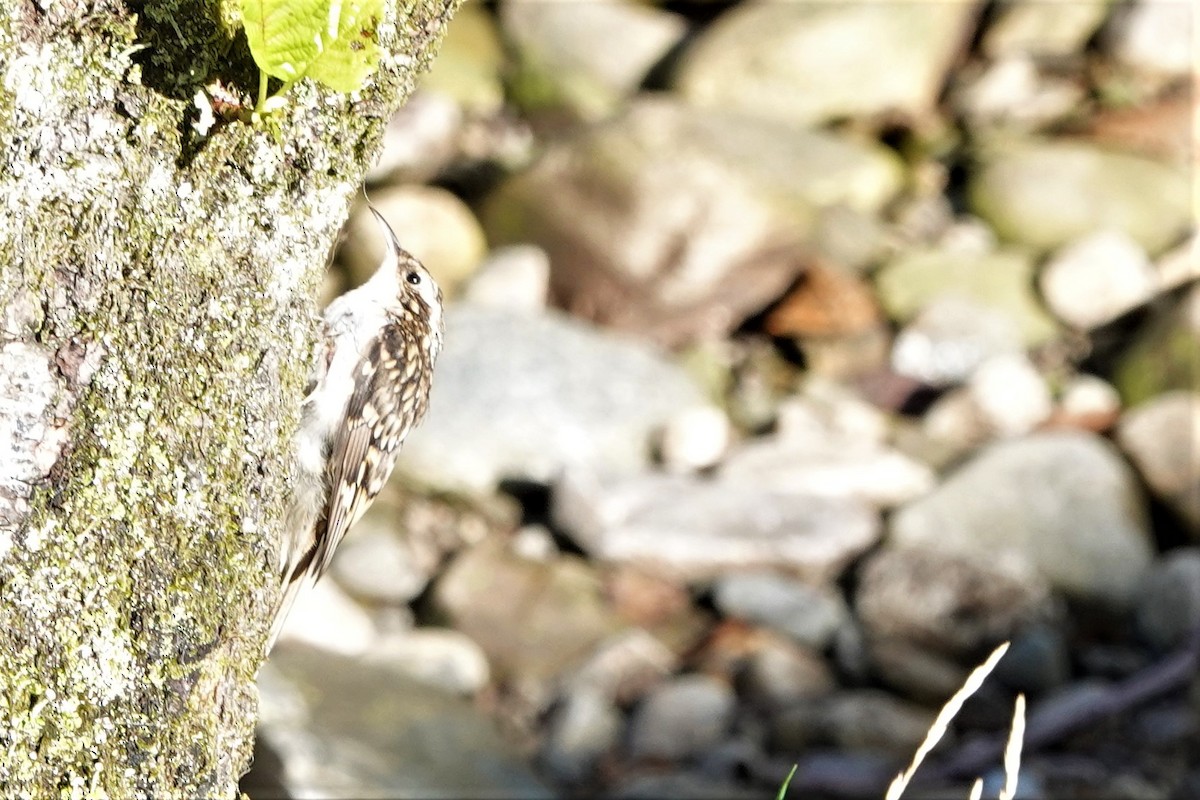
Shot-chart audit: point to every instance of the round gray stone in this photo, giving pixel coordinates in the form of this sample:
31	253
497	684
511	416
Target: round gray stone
681	718
809	614
1064	503
1030	194
522	396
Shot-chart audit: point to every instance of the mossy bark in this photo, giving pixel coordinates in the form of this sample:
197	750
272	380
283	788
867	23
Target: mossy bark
156	319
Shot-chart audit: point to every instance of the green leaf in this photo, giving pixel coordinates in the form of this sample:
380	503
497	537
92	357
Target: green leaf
332	41
284	35
353	54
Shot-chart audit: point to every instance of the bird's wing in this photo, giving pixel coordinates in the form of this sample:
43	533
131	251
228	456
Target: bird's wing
387	401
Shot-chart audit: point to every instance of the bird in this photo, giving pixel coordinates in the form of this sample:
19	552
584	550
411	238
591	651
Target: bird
368	388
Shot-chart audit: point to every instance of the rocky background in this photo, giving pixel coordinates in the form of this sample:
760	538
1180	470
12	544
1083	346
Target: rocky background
796	355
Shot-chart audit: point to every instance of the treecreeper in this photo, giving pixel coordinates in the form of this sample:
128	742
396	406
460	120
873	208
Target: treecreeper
368	388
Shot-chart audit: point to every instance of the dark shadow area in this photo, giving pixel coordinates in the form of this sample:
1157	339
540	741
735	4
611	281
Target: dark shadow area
182	51
264	781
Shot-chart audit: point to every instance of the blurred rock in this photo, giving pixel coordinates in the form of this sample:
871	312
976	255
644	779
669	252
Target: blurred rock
442	658
811	62
809	614
679	785
778	672
1097	278
834	318
431	223
563	614
948	603
1159	128
838	773
567	55
1162	355
950	337
951	428
1162	438
419	141
1000	281
914	671
344	728
1063	503
856	719
325	617
826	411
694	439
514	278
828	442
1180	265
836	467
1089	403
1011	93
624	667
682	718
1038	660
849	237
1033	194
678	222
469	63
658	604
1155	37
1012	397
534	543
378	563
533	394
1168	608
825	302
697	528
580	732
1040	29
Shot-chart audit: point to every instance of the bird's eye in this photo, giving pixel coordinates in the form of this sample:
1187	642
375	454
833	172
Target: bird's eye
413	278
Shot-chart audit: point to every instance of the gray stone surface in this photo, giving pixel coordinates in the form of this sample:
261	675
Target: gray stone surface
1097	278
810	62
1065	504
568	50
343	728
581	731
469	63
861	719
1168	607
377	563
1156	37
521	397
1010	394
677	222
681	718
535	620
950	337
445	659
1001	282
1030	193
778	671
809	614
514	278
833	466
944	602
697	528
1162	355
1033	27
1162	438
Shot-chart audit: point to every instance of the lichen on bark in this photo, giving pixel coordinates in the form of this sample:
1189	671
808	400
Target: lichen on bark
156	315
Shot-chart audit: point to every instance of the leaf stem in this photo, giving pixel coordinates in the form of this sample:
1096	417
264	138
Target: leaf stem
262	91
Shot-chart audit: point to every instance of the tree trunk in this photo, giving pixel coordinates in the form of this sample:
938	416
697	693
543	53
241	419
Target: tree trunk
156	320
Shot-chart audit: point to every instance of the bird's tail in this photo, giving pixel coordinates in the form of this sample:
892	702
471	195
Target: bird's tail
292	588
